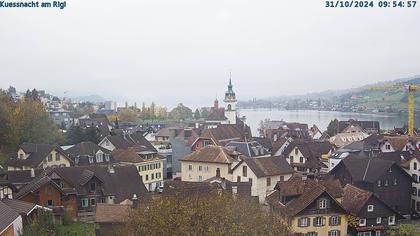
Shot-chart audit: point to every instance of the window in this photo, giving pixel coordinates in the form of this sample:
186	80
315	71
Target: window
107	157
206	143
268	181
92	201
311	234
250	180
200	168
153	176
335	220
378	220
238	179
99	157
291	159
391	220
76	159
206	169
318	221
379	183
388	147
50	157
370	208
377	233
50	203
244	171
147	177
301	159
395	181
322	203
415	165
21	156
334	233
57	156
190	168
281	178
92	187
386	183
414	191
362	222
390	170
296	151
218	172
415	177
303	222
364	234
200	178
106	142
85	202
90	159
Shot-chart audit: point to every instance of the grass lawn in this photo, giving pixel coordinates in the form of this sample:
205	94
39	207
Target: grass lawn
77	229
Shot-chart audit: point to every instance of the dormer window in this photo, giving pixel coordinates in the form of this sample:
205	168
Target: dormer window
50	157
76	159
21	156
92	187
296	151
99	157
322	203
370	208
107	157
90	159
57	156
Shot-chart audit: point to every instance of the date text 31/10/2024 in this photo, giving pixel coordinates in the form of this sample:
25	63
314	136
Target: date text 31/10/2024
370	4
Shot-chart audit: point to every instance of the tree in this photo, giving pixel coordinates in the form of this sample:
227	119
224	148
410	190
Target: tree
127	115
197	114
152	110
92	134
180	112
204	113
403	230
332	127
41	225
75	135
210	214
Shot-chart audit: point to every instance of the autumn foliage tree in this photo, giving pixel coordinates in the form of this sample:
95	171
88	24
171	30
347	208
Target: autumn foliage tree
213	214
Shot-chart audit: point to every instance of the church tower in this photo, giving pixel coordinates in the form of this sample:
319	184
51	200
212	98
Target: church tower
230	101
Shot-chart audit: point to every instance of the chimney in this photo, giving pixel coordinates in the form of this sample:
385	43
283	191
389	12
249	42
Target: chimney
32	173
135	201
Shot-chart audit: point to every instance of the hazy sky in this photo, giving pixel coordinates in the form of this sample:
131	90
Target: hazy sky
171	51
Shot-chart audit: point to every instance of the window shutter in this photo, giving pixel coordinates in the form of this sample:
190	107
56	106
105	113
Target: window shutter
317	204
330	220
328	203
339	223
323	220
338	231
309	221
299	222
314	221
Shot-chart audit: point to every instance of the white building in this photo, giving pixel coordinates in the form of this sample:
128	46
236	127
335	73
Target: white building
230	105
412	167
263	173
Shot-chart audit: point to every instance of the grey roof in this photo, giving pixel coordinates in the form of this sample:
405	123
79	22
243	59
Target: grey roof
135	140
21	176
37	153
35	185
19	206
8	215
268	166
82	152
249	149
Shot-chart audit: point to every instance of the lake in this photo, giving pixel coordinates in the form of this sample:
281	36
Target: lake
320	118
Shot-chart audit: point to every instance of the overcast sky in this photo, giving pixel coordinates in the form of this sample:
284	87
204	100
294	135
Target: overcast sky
171	51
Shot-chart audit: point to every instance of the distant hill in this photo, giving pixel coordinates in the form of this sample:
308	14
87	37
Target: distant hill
90	98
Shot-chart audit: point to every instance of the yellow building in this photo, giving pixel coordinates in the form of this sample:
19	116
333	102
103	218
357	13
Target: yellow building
208	162
33	156
311	208
148	164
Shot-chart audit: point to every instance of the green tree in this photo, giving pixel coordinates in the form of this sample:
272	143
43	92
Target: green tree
180	112
197	114
41	225
332	127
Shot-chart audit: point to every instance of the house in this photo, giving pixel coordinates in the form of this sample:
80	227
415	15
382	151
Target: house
126	140
6	189
100	121
225	133
79	189
412	167
208	162
109	217
309	207
374	216
10	221
248	148
201	142
342	139
308	156
369	127
384	178
279	145
262	173
399	143
38	156
88	153
315	132
150	167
